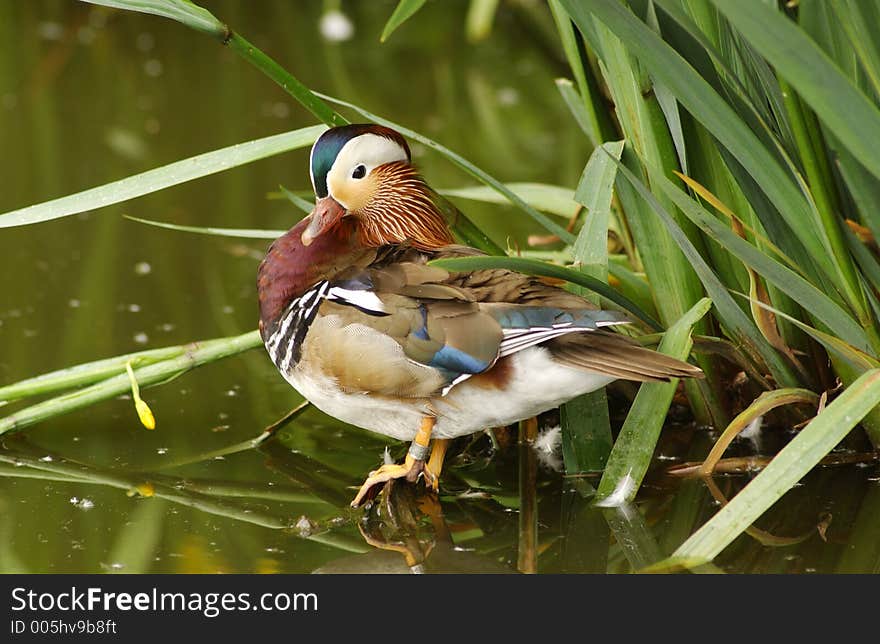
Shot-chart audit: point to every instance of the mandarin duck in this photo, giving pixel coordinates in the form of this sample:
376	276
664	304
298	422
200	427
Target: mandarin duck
359	322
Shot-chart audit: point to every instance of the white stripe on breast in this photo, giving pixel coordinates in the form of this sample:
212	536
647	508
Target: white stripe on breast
363	299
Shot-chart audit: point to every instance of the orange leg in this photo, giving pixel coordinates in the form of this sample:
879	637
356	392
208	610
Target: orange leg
435	464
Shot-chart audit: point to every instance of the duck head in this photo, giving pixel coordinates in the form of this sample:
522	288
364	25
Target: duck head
364	172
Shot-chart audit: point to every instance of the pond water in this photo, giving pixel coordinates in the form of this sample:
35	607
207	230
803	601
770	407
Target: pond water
91	95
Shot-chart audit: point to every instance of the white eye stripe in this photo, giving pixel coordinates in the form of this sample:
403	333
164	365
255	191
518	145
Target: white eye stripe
368	150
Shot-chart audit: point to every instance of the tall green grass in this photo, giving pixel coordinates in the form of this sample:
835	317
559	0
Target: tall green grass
748	173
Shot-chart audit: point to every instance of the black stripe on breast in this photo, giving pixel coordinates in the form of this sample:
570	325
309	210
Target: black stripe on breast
285	343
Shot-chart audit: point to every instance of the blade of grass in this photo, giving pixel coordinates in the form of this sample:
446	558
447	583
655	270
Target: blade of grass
191	15
169	175
738	324
703	102
304	205
586	426
649	140
594	192
634	447
817	302
196	354
668	104
858	19
575	106
587	103
543	269
479	19
84	374
243	233
285	80
791	464
463	227
847	112
759	84
183	11
548	198
404	10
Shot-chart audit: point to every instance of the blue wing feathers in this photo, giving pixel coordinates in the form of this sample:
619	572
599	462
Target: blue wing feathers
539	317
456	362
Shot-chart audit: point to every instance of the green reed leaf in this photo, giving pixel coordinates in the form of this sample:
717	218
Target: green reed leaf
586	425
84	374
542	196
795	460
404	10
544	269
789	282
166	176
701	100
243	233
479	19
634	448
183	11
194	355
739	326
844	109
594	192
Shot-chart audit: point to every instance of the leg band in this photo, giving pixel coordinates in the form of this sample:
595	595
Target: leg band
418	452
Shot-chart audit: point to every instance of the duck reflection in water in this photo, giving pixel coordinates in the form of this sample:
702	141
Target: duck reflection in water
405	544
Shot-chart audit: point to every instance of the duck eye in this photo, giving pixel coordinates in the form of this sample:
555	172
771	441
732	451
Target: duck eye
359	172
